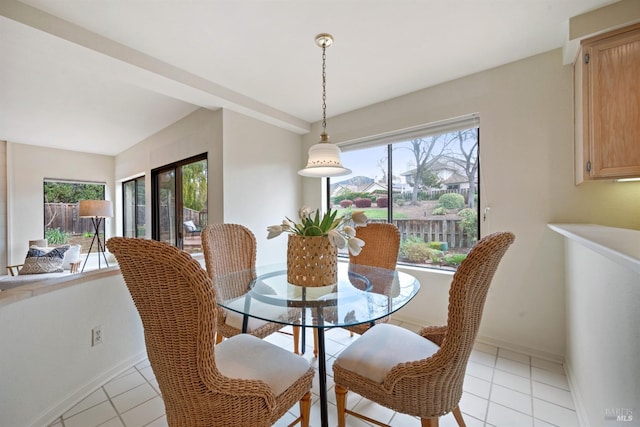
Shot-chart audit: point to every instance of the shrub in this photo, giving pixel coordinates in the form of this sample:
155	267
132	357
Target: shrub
417	250
56	237
440	246
455	259
346	203
469	222
382	202
451	201
362	203
441	210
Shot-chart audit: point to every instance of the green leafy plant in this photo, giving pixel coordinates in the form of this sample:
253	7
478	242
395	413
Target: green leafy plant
55	236
455	259
469	222
337	228
441	210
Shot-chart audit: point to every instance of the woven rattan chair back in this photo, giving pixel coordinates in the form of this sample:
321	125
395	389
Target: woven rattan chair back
176	303
431	387
230	249
382	243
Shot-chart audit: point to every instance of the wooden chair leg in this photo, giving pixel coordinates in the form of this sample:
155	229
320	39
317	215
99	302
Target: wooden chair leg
341	402
458	416
219	338
296	339
315	342
429	422
305	409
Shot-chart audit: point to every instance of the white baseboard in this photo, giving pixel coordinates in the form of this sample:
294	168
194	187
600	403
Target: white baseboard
541	354
50	415
578	401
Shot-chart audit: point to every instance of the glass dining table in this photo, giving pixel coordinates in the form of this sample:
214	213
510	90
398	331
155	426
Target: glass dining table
362	294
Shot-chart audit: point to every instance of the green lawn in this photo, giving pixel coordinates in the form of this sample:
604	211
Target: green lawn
375	213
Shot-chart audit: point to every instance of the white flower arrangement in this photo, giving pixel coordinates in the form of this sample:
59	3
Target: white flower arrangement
339	230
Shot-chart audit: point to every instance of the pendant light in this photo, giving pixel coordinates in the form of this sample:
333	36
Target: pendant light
324	157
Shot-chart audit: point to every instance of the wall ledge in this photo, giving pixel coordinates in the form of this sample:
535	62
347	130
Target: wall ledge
620	245
34	289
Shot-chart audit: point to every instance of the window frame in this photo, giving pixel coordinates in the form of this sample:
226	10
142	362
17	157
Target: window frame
136	197
179	202
471	121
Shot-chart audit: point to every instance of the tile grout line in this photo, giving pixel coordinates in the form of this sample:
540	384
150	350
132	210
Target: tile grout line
493	374
114	407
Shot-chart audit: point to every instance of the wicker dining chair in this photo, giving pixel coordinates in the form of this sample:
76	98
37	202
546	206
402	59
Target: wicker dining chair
231	249
243	381
422	374
382	244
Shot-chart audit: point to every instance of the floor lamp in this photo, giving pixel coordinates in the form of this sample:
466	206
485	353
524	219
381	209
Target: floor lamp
97	210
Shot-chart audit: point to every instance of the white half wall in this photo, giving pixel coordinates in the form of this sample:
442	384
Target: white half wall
603	341
48	364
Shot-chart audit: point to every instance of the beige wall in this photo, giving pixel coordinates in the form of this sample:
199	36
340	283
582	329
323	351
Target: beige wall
526	155
3	206
27	167
261	184
252	166
199	132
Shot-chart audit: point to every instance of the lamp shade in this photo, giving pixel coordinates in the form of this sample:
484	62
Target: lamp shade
96	209
324	160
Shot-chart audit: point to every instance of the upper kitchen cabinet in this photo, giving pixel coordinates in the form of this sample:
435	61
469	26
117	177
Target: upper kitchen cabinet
607	106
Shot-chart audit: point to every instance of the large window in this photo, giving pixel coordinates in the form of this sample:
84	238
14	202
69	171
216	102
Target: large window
425	181
62	224
133	208
179	201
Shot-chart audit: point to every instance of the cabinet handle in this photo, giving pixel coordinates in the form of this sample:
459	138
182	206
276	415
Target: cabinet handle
589	166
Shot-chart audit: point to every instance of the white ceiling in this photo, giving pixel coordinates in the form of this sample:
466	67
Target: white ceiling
99	76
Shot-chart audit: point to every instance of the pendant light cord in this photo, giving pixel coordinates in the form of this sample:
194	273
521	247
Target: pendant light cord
324	87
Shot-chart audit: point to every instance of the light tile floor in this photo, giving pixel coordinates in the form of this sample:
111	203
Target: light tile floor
502	388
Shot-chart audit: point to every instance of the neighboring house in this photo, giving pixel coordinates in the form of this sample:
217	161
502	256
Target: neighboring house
451	176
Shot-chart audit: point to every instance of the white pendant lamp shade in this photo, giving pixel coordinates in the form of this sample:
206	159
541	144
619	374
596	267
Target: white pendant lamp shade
324	157
324	160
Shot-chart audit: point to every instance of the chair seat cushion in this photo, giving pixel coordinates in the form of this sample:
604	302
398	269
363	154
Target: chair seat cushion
268	311
384	346
247	357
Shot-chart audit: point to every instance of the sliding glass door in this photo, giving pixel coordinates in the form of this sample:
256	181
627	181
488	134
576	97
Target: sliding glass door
179	202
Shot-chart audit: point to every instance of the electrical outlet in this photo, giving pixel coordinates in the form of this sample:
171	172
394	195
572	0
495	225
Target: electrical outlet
96	336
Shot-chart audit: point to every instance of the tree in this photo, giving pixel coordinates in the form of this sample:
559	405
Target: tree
466	158
67	192
431	180
426	151
194	185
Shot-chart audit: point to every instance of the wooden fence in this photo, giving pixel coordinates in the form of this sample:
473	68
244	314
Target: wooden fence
65	217
435	230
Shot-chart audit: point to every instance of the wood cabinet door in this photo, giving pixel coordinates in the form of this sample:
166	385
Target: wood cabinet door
613	72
